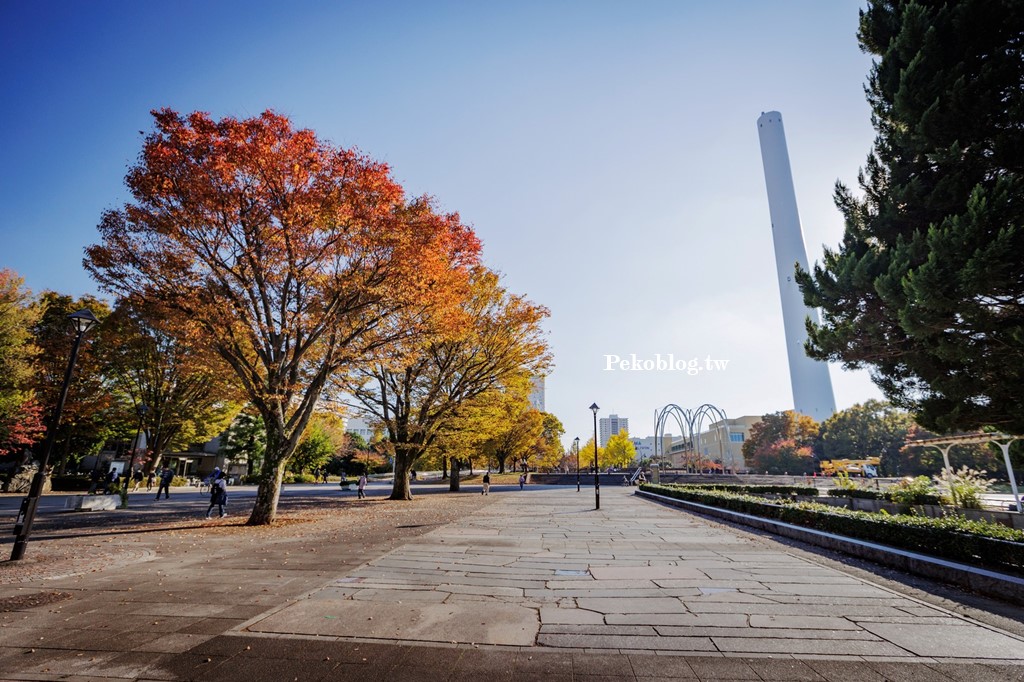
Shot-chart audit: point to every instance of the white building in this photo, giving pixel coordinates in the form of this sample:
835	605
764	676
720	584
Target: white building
358	425
645	446
610	426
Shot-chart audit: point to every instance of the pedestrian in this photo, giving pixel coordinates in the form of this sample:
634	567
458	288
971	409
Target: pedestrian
361	486
150	479
487	484
137	478
218	494
94	477
325	475
166	476
110	481
522	481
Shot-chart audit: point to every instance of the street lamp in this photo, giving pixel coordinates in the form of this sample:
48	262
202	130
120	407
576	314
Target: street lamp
597	474
81	322
143	409
576	440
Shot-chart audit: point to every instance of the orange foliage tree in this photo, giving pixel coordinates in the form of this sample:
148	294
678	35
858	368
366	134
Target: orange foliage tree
293	256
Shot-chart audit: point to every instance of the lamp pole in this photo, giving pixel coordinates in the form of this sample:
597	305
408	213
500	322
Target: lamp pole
576	440
597	472
83	321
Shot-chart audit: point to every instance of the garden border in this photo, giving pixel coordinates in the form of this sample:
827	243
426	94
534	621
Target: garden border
980	580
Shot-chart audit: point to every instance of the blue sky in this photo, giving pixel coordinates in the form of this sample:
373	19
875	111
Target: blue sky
605	152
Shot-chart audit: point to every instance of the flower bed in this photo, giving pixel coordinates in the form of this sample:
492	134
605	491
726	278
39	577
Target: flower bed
951	537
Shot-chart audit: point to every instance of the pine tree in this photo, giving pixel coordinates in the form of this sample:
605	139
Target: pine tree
927	287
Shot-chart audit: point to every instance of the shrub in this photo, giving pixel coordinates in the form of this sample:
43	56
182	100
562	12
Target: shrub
952	537
179	481
804	490
70	483
299	478
911	491
860	493
964	487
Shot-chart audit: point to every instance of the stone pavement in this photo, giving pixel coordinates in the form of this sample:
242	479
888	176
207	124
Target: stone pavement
527	585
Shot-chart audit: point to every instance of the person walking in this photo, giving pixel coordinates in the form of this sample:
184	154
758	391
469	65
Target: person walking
137	479
150	479
166	476
95	477
522	481
109	481
218	494
487	484
361	486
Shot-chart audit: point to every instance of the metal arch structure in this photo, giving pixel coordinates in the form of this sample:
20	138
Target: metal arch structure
691	423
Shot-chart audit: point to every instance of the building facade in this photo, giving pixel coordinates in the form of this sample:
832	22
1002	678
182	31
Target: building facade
721	443
610	426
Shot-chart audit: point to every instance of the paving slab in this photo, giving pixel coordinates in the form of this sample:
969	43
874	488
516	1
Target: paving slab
633	577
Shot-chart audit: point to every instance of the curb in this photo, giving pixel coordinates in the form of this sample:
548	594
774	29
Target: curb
983	581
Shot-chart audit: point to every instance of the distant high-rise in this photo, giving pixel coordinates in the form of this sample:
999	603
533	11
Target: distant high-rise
812	385
609	426
537	393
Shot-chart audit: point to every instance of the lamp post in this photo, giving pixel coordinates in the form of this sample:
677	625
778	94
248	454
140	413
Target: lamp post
143	409
597	473
576	440
82	322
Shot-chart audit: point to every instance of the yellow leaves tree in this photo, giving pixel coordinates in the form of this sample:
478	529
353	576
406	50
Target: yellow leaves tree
415	394
619	452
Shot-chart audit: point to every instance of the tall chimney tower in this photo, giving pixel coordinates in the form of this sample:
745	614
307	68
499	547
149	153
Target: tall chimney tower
812	385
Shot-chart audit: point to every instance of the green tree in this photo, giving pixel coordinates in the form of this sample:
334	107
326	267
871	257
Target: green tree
927	286
619	451
20	415
319	443
245	441
871	429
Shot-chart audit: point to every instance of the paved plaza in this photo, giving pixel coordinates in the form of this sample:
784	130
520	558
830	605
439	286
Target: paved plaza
518	585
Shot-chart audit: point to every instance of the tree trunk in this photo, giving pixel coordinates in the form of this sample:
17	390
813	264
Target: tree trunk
264	511
403	465
453	484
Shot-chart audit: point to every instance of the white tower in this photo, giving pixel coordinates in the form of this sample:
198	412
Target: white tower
812	386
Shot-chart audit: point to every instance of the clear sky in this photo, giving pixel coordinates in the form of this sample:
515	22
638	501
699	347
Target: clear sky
605	152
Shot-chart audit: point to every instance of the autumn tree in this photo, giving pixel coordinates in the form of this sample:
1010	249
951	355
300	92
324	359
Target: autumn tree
414	394
91	415
587	455
782	442
159	360
926	288
292	256
619	451
548	452
20	415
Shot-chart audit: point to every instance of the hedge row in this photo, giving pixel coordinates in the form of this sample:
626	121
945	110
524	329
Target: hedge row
951	537
862	493
806	491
